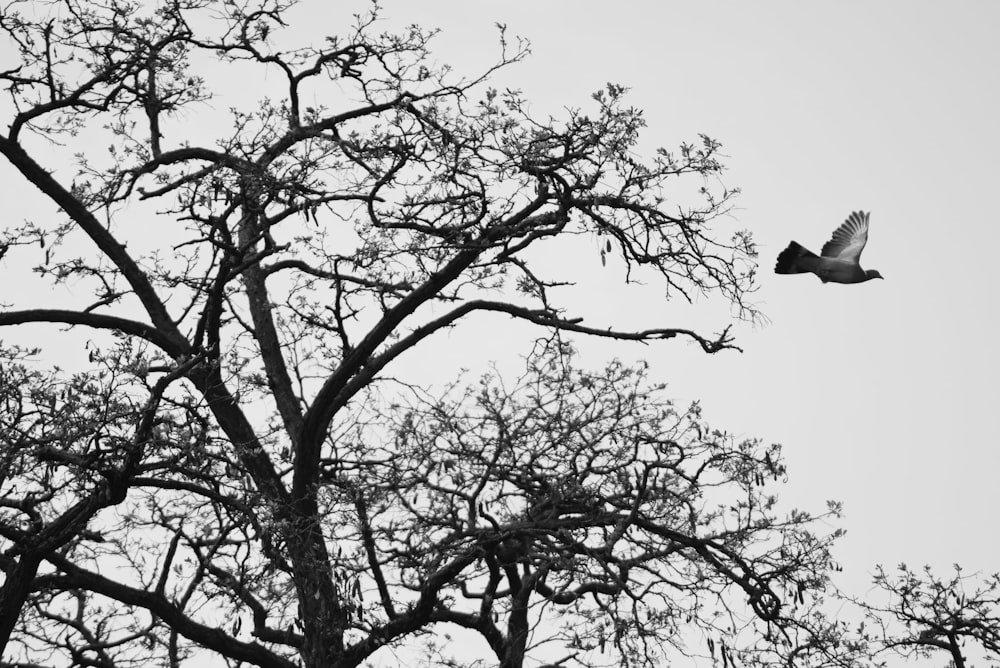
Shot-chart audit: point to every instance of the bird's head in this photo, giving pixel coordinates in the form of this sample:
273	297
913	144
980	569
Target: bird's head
873	273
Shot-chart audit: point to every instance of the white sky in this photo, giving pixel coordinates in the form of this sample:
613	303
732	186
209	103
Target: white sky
882	393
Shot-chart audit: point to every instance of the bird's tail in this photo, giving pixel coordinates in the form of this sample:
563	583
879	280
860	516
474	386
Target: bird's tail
789	259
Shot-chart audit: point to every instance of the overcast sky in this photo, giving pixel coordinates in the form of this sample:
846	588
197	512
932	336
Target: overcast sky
883	393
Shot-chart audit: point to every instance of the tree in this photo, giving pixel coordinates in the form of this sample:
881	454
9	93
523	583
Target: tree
235	469
927	615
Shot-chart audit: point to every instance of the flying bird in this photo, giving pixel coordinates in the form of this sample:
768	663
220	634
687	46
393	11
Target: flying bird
840	260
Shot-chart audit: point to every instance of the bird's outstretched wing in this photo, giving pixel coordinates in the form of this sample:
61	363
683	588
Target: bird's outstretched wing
849	239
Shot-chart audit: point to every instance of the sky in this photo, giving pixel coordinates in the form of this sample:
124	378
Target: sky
883	393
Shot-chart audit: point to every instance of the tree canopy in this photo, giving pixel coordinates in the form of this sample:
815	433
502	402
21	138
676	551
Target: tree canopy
237	469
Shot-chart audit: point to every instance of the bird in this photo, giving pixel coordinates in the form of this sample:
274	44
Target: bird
840	258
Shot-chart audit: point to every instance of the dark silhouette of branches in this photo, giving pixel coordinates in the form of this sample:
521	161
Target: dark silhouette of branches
235	469
956	617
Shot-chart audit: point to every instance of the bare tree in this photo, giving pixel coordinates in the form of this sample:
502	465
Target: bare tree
926	616
235	470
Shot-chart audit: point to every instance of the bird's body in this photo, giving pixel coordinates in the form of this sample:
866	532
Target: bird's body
840	261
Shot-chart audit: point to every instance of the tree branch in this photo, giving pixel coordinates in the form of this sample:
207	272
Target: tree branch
98	321
105	241
212	638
